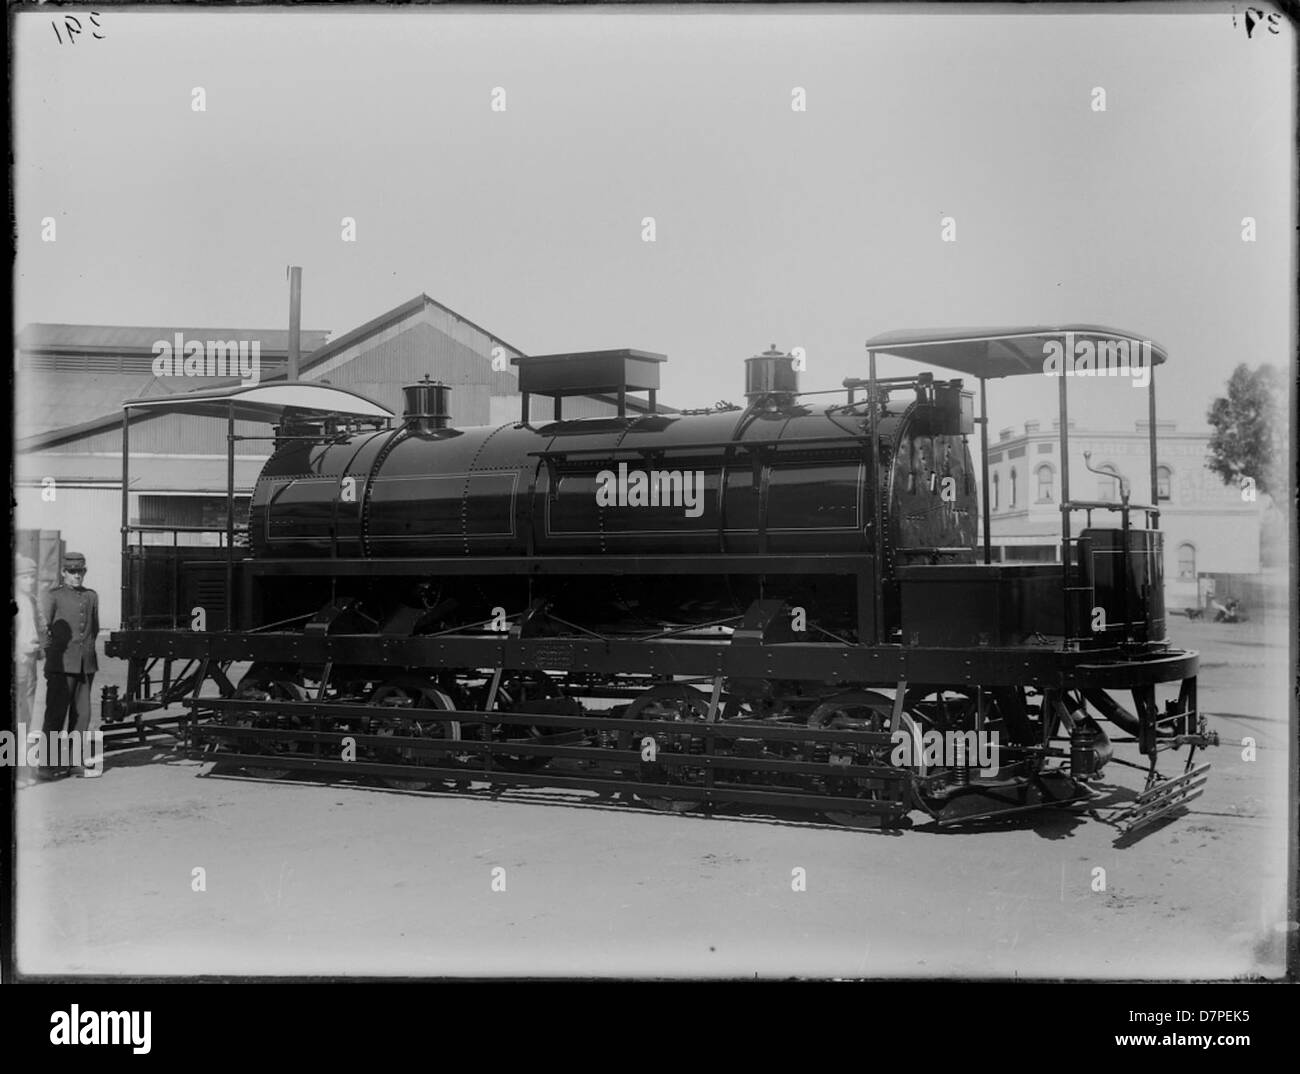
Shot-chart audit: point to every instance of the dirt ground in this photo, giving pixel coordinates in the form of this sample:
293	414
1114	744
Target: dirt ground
302	877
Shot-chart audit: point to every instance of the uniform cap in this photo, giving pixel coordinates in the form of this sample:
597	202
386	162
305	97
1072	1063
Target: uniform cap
73	559
24	565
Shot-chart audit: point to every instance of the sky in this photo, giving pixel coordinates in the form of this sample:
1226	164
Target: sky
816	228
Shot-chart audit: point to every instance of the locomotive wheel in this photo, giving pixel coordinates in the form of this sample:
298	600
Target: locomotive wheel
957	708
407	692
856	710
512	695
667	701
266	690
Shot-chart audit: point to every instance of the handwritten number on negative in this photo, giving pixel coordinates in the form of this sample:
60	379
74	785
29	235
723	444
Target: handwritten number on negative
72	27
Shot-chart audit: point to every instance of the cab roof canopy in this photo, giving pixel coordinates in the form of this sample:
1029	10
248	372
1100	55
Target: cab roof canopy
999	352
264	402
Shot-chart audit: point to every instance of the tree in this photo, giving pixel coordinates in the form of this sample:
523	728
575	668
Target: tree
1249	436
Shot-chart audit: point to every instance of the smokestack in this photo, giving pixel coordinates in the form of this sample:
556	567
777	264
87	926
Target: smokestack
772	376
426	405
295	318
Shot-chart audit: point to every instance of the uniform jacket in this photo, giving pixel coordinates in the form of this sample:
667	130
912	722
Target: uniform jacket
71	647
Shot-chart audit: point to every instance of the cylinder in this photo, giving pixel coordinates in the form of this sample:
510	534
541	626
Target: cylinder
1090	749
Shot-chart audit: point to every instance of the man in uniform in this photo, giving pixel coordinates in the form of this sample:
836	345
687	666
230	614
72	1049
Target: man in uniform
72	612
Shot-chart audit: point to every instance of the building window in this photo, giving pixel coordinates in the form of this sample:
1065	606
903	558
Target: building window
1186	562
1011	489
996	483
1045	476
1164	479
1108	487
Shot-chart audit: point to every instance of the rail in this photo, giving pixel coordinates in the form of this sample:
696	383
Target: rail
136	527
694	447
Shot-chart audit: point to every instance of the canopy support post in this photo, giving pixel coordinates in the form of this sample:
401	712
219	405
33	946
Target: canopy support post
878	542
128	609
984	462
230	515
1065	508
1151	439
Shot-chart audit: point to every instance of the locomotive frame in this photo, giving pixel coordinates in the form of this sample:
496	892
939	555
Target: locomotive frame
785	718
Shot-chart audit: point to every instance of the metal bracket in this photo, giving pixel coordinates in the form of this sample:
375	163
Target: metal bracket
330	616
900	704
530	624
763	624
714	700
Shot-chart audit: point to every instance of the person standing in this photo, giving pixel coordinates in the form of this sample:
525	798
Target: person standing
28	633
72	612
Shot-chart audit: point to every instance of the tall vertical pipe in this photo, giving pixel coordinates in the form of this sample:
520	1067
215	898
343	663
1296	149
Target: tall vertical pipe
295	319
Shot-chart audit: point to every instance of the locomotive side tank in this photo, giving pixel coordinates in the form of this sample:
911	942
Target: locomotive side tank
777	477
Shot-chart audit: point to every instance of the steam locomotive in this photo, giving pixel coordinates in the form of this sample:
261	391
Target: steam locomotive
776	606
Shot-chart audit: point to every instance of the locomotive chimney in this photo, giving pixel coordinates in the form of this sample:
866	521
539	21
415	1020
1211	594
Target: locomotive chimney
772	376
425	405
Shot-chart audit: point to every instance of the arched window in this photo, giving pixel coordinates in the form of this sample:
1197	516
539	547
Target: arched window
1108	487
1011	489
1045	482
996	483
1164	481
1186	562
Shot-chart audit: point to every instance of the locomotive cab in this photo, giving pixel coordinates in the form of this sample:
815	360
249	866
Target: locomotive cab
1106	590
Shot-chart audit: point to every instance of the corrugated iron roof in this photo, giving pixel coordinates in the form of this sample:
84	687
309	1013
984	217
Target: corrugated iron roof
58	401
71	405
386	320
135	339
50	402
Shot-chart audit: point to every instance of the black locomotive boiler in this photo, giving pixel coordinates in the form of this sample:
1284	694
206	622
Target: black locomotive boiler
776	479
780	605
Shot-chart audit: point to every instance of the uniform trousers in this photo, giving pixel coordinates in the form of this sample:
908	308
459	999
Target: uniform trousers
67	702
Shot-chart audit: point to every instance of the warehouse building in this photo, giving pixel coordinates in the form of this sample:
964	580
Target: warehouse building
71	382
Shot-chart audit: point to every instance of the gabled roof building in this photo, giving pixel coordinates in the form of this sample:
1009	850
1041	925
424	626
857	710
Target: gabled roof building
71	382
